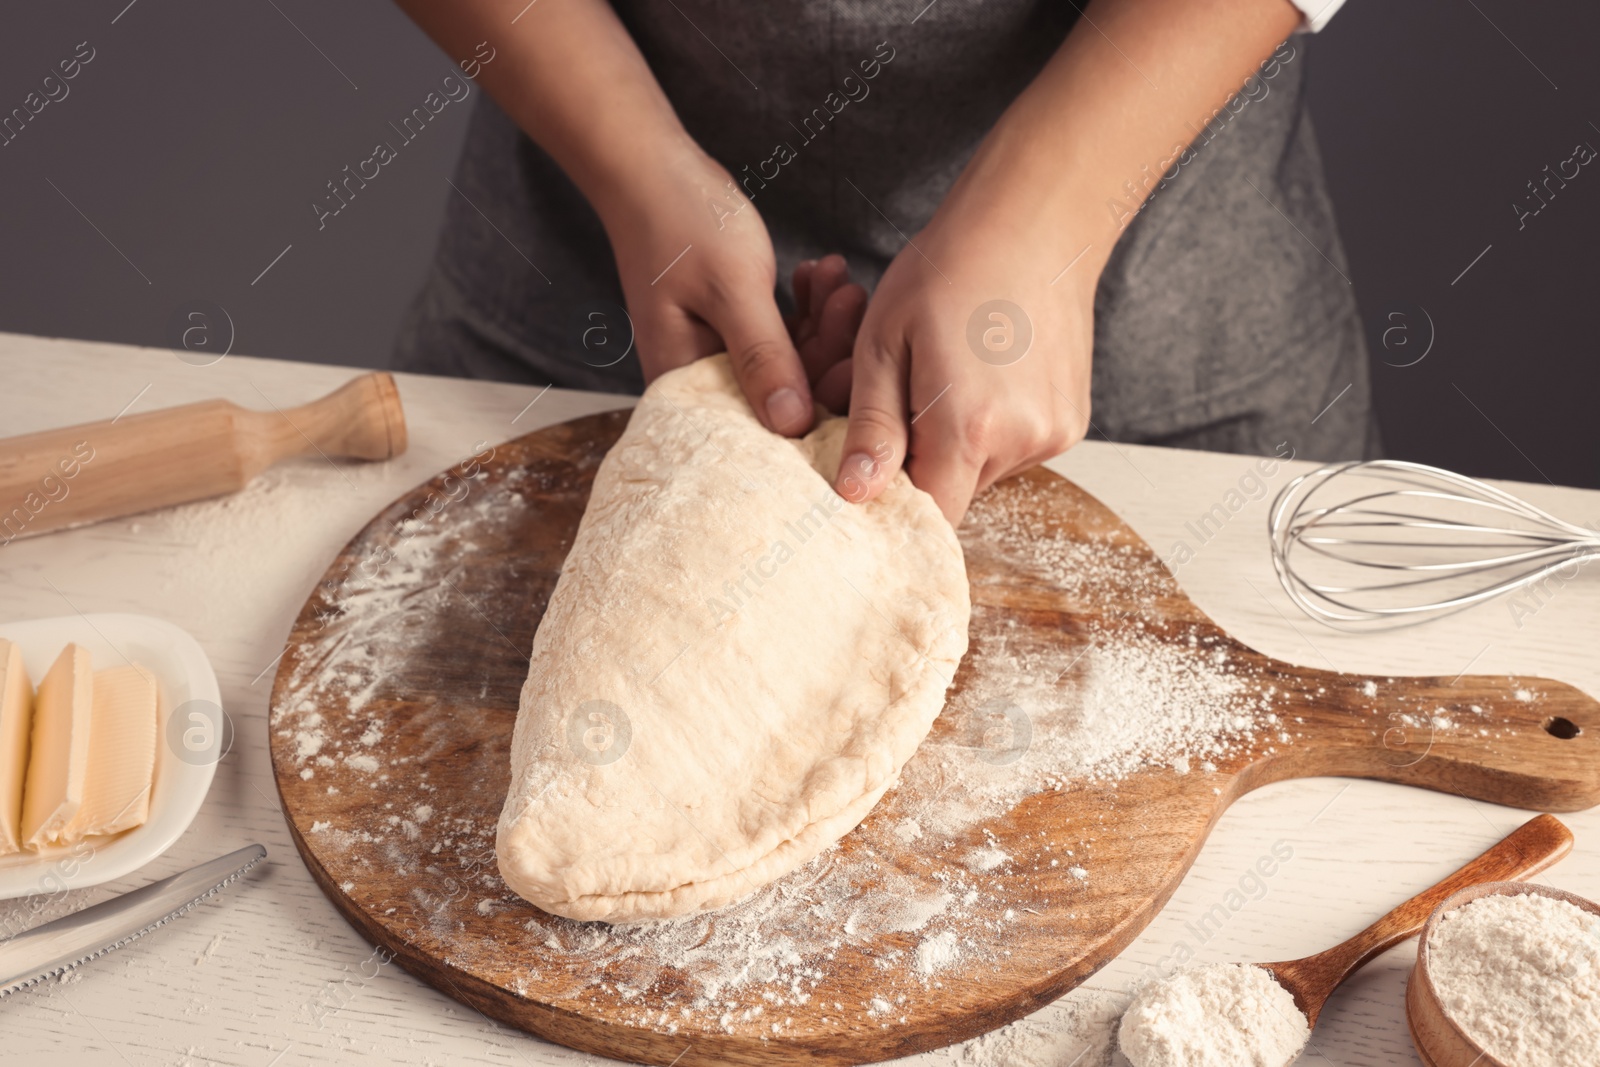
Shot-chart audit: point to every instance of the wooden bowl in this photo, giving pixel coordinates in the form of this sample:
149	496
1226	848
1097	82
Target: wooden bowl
1438	1040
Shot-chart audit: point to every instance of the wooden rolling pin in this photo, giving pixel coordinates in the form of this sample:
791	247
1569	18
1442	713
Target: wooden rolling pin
103	470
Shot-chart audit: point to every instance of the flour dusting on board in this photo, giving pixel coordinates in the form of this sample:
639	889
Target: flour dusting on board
923	895
388	605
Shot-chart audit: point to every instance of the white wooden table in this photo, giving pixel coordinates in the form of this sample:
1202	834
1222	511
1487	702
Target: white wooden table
234	982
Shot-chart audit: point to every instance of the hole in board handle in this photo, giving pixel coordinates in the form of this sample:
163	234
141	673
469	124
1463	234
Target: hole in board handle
1565	729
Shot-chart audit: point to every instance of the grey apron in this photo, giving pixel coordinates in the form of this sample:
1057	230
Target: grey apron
1224	320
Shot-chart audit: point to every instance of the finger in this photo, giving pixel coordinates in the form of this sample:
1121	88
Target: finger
840	321
835	332
765	362
875	442
830	273
832	390
802	290
943	463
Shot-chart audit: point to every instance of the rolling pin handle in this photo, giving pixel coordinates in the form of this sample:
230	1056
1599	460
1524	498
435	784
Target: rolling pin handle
362	419
54	479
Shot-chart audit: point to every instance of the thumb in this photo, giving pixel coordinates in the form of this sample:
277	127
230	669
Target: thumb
875	442
765	362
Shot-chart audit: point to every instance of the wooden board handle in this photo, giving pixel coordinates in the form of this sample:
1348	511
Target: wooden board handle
1526	743
102	470
1527	850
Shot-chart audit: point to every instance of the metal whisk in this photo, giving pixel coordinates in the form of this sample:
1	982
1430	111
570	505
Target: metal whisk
1444	541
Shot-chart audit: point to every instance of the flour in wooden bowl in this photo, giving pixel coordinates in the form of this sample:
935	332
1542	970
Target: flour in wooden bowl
1519	973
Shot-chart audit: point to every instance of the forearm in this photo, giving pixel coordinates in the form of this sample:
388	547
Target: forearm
569	75
1133	85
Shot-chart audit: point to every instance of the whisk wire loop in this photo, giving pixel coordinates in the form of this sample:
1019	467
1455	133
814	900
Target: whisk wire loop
1462	541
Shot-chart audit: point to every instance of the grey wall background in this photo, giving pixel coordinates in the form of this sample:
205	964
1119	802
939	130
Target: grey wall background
183	161
196	141
1433	116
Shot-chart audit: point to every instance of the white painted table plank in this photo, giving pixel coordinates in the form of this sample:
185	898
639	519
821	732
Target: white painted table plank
269	973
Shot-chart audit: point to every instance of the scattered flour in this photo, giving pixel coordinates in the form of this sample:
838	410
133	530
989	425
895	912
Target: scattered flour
308	744
986	859
259	550
1219	1015
1520	974
1142	700
1079	1030
1070	714
936	953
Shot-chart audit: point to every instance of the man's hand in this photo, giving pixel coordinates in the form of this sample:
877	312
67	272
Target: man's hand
992	357
973	359
695	259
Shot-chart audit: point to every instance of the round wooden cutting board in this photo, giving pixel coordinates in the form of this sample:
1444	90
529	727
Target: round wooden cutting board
1098	727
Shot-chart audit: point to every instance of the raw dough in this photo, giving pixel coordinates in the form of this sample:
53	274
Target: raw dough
733	667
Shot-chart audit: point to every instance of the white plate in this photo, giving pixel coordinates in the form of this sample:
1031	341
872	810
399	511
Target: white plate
187	749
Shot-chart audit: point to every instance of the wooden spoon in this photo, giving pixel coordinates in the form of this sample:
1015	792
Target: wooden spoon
1527	850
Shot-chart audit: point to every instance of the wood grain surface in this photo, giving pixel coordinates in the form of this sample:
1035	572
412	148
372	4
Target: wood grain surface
392	712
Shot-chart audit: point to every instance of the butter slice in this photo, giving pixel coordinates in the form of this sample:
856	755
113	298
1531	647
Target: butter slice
122	753
58	763
16	717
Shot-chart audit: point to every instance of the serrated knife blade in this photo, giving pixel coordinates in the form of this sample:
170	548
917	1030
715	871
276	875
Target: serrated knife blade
62	944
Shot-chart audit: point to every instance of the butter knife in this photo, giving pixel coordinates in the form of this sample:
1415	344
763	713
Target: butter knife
62	944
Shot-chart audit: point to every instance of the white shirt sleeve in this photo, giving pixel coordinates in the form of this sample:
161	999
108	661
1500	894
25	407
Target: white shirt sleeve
1317	13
